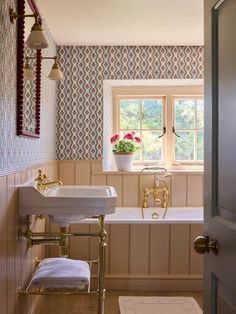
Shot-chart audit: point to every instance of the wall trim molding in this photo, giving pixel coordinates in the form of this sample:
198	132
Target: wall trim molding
154	282
7	172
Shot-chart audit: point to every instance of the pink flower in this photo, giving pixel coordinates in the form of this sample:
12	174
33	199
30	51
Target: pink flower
137	139
114	138
129	136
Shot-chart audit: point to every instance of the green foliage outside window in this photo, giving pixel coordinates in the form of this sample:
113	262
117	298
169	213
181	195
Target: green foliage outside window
145	117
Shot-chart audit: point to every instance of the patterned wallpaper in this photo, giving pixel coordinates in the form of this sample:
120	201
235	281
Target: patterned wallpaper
80	95
18	152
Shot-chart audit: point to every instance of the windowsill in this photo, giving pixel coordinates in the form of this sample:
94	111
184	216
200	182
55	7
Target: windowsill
137	171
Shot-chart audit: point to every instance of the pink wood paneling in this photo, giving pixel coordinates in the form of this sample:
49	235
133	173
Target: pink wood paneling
159	249
96	165
119	249
3	244
139	249
10	243
116	182
195	190
178	190
82	172
16	260
130	190
196	260
99	179
93	243
67	172
179	248
79	246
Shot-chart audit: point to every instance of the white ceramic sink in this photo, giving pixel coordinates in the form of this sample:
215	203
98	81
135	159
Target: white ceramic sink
67	204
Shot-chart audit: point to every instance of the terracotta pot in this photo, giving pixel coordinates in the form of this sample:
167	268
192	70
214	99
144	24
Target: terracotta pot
123	161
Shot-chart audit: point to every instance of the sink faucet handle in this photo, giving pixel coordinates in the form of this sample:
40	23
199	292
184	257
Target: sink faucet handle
40	176
45	178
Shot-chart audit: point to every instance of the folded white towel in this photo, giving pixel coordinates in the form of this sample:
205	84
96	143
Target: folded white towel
61	273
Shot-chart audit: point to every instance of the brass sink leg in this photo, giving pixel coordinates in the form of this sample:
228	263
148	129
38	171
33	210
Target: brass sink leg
101	265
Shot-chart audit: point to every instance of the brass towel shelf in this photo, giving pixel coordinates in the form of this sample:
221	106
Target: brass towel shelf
60	291
61	239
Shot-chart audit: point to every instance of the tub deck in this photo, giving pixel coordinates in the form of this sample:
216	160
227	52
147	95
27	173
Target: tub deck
132	215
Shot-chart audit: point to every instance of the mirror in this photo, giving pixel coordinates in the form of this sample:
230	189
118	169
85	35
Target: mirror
28	92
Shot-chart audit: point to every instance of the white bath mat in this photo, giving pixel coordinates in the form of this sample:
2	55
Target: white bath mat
158	305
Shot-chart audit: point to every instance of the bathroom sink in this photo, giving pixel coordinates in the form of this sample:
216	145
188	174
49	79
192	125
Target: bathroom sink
67	204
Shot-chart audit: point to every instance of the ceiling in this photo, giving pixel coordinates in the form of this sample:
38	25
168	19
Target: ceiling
124	22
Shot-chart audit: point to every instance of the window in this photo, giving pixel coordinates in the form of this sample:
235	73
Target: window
188	127
169	120
144	116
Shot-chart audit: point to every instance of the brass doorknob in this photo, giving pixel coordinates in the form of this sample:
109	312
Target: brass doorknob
203	244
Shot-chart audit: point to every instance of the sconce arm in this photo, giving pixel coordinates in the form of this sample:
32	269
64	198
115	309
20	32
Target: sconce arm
14	16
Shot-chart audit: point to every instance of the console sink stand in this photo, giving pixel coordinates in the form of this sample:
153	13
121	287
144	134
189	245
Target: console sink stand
61	239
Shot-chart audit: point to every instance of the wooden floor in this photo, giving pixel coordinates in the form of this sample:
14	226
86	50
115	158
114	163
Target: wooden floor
88	304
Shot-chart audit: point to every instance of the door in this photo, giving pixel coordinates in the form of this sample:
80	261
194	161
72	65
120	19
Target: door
220	155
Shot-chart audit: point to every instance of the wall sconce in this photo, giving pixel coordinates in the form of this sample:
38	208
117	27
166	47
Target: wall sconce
28	73
54	75
36	39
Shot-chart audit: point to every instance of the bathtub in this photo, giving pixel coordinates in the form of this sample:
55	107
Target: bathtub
174	215
147	254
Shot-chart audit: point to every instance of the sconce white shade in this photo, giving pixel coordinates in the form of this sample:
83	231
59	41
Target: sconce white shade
55	73
28	73
36	39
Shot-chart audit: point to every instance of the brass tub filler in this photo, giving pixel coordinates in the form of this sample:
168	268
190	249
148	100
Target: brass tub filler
158	189
62	240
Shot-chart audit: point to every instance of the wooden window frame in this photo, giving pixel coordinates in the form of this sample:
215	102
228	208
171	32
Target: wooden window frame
185	162
159	91
143	97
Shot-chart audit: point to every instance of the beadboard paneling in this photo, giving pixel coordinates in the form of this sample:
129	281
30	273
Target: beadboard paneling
83	172
119	249
185	189
159	249
143	256
179	248
16	260
195	190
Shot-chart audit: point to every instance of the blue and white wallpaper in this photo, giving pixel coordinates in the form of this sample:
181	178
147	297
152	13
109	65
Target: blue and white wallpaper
80	95
17	153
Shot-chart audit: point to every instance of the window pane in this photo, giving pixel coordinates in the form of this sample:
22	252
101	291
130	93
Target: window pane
200	113
152	145
184	113
130	114
200	145
184	145
152	113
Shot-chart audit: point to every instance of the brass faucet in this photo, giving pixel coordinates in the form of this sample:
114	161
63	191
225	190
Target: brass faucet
155	191
43	182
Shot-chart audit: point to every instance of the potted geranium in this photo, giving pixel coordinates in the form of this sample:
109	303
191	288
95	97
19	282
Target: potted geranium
124	149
